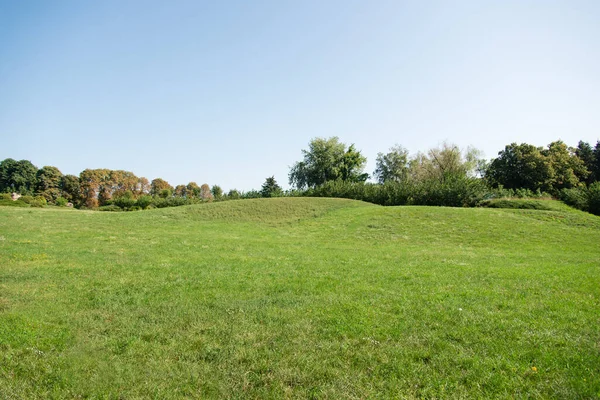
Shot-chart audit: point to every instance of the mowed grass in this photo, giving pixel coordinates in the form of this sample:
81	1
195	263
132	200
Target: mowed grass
299	298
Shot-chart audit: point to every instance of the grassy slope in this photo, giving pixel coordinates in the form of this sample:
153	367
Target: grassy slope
299	298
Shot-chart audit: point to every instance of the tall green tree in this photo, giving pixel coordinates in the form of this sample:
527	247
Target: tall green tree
392	166
217	192
327	160
270	188
49	181
70	188
595	170
567	168
585	153
18	176
591	159
351	169
521	166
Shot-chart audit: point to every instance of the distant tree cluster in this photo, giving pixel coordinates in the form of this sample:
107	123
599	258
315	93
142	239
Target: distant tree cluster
97	188
550	169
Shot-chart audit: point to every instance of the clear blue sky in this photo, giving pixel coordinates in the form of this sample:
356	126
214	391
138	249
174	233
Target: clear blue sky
229	92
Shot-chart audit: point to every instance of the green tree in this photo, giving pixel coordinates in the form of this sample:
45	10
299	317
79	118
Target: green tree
270	188
520	166
217	192
144	201
392	166
566	166
18	176
352	166
591	159
234	194
125	200
49	181
326	160
586	154
70	188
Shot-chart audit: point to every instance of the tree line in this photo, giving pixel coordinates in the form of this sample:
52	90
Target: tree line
444	175
108	189
449	176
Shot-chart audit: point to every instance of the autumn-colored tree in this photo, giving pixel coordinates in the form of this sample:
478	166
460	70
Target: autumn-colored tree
143	187
192	189
205	193
180	191
106	188
89	180
122	182
96	187
158	185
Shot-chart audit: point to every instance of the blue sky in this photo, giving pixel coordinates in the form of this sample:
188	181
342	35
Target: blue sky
229	92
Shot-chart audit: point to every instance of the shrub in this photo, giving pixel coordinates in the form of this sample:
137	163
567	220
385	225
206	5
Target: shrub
11	203
61	202
124	202
457	192
517	204
38	201
143	202
111	207
26	199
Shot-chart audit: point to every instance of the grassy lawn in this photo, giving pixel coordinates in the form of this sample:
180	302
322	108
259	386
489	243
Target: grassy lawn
299	298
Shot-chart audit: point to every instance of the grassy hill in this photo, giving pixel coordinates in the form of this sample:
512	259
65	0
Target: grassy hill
299	298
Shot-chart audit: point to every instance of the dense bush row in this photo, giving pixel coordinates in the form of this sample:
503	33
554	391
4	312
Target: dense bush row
455	192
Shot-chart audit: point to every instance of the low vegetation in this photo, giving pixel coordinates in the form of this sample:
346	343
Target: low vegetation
300	298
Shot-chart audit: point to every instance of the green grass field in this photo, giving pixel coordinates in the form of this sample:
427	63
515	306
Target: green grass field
299	298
